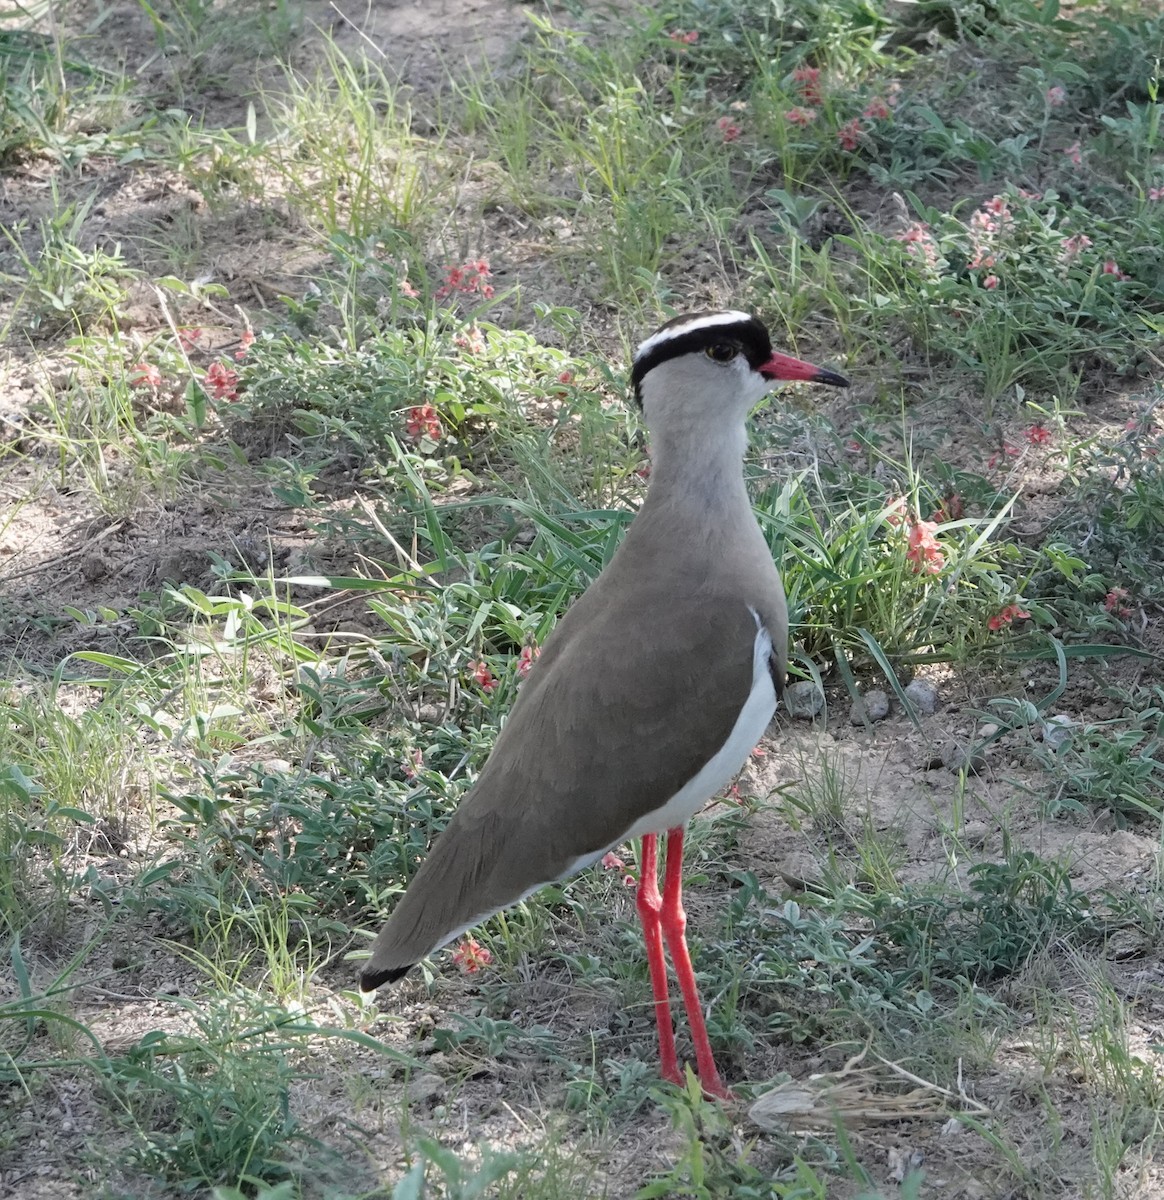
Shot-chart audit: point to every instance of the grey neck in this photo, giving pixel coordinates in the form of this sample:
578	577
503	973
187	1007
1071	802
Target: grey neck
700	470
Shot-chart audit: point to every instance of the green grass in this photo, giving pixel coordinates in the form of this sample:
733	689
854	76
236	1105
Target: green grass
313	400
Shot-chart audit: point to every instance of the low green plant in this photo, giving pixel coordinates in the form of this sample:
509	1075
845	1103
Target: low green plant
64	286
1027	292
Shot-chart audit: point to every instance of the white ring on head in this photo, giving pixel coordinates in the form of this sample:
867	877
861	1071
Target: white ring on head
705	321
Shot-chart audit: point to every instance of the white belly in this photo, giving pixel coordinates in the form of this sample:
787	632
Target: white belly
731	756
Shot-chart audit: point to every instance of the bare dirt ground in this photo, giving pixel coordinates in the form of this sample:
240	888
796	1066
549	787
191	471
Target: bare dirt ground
57	549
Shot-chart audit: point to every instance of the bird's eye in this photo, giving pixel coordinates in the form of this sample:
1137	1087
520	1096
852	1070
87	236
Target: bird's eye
722	352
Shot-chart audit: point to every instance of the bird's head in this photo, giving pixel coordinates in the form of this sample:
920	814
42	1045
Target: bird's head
713	364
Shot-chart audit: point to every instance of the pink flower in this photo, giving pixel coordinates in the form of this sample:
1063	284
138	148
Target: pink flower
424	422
809	80
1056	97
925	551
406	289
950	508
415	761
222	381
145	374
800	116
919	243
1072	247
482	676
245	342
470	278
1012	612
1037	435
1074	154
687	36
728	129
566	377
849	134
611	862
990	282
471	340
526	659
1156	193
1114	602
877	110
470	956
188	338
896	511
1008	451
1111	267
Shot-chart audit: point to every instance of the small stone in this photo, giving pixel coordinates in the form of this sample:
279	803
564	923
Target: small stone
923	696
1057	731
94	566
425	1087
803	699
872	706
957	757
988	731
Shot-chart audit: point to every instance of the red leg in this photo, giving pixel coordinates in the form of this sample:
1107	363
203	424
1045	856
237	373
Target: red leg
673	920
650	905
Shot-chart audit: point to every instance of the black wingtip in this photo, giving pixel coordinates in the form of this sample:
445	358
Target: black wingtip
370	980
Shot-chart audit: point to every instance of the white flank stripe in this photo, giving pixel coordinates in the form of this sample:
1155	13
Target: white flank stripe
731	756
707	321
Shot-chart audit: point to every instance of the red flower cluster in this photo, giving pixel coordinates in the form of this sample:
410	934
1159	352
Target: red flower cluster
526	659
728	129
688	37
950	508
1114	602
145	374
1072	247
471	956
1008	451
849	134
809	80
471	340
222	381
470	278
245	342
1111	267
1012	612
920	243
424	422
877	110
925	551
800	116
1037	435
482	676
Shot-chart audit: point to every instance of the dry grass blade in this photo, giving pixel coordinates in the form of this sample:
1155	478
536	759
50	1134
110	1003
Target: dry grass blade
856	1095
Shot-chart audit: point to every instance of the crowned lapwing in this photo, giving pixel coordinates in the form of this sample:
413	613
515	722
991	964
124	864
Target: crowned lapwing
650	693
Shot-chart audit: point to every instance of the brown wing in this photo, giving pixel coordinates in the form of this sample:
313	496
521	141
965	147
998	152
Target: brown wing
573	770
